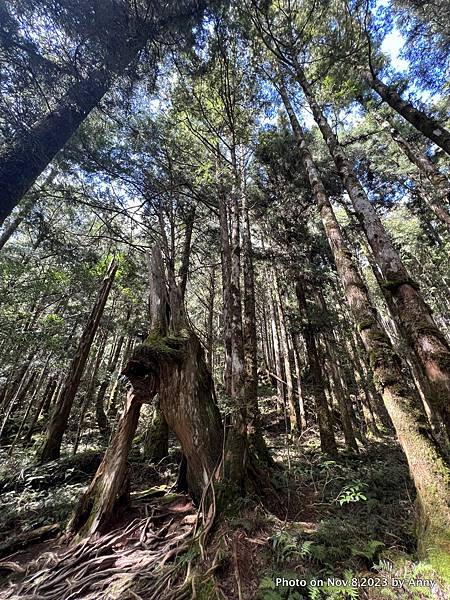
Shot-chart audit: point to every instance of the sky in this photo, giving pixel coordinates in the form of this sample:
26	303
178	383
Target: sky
392	46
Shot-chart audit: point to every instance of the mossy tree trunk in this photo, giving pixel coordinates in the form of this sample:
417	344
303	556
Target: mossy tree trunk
428	469
156	440
108	492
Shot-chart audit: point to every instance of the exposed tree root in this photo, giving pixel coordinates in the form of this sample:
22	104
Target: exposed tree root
137	561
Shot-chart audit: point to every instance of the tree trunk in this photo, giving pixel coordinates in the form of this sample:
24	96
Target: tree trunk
236	439
255	437
210	320
281	398
100	415
293	406
48	393
421	382
425	339
341	397
116	386
300	390
30	404
362	381
422	122
58	422
225	254
85	404
17	400
10	230
108	492
430	473
27	156
169	363
156	441
425	166
327	439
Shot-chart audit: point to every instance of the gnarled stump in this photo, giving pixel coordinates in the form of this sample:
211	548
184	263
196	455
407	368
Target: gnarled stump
186	397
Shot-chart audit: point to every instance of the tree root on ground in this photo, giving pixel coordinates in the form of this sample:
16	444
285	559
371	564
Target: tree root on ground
134	562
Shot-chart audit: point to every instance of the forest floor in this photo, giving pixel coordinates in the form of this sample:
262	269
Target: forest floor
350	519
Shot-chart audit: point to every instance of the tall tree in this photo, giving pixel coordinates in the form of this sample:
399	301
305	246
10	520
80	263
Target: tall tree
124	33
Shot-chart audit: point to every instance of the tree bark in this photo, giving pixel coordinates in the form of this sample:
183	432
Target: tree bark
169	363
108	492
281	398
58	423
300	389
100	415
48	393
30	404
236	439
342	400
225	254
93	383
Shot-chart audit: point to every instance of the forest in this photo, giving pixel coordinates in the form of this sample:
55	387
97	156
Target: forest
224	299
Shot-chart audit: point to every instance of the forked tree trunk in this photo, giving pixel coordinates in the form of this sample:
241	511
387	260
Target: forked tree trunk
171	364
422	122
424	337
428	469
51	447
